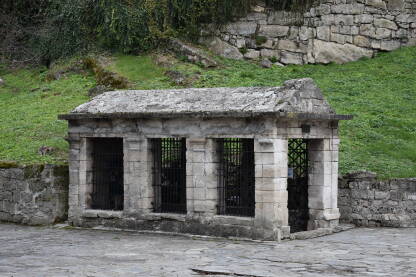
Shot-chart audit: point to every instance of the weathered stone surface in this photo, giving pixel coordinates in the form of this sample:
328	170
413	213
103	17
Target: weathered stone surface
291	46
378	4
211	100
34	195
192	53
256	16
389	45
273	31
283	18
381	33
291	58
384	23
362	41
266	63
326	52
252	54
364	18
267	53
222	48
348	8
341	20
323	33
57	251
361	23
241	28
366	201
395	5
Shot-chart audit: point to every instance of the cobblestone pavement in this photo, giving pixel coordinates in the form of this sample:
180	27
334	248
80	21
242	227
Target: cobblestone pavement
41	251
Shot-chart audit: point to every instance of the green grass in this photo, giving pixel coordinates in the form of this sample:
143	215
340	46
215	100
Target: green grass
379	92
29	108
141	71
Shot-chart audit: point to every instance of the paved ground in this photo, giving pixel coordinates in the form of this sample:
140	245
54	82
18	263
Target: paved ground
33	251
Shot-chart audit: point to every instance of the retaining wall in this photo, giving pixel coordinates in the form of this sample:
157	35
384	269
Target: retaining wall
34	195
39	195
366	201
333	31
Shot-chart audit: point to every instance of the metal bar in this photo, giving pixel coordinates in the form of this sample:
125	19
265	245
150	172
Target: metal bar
298	162
236	182
108	184
170	175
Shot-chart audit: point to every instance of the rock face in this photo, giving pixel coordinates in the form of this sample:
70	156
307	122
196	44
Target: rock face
193	54
334	31
222	48
326	52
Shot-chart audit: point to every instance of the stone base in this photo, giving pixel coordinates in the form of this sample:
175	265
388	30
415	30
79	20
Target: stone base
216	226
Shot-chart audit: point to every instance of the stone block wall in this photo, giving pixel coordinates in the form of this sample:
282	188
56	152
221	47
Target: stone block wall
270	137
34	195
333	31
366	201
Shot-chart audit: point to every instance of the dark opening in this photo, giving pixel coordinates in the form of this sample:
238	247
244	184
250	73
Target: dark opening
108	185
236	177
169	175
297	185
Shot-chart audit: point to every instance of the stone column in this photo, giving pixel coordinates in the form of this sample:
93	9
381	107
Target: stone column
85	174
201	179
271	185
74	176
323	183
138	189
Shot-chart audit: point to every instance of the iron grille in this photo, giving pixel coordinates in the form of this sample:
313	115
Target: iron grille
169	175
108	188
236	177
298	185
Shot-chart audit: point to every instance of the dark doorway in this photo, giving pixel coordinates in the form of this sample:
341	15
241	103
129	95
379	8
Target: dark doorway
108	182
169	175
236	177
297	185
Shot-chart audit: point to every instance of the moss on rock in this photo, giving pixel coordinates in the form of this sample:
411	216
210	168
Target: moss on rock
8	164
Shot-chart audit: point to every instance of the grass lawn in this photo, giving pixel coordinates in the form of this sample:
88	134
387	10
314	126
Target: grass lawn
379	92
29	108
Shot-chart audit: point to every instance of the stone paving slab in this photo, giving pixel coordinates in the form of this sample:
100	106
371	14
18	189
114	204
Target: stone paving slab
41	251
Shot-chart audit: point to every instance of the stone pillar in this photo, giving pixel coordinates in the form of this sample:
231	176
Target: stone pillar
323	183
201	179
74	177
271	185
138	189
85	174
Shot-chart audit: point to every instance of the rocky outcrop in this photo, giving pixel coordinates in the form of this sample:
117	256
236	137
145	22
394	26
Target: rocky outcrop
191	53
326	52
334	31
222	48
